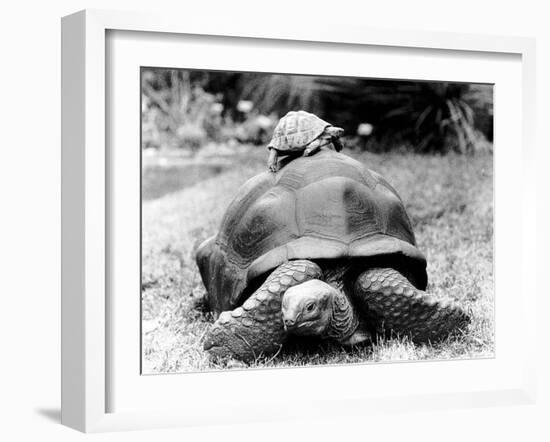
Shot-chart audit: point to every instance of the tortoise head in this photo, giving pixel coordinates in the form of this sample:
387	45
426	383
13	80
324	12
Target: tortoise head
334	132
307	308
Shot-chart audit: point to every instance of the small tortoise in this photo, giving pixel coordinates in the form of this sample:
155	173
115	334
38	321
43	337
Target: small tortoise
300	133
323	219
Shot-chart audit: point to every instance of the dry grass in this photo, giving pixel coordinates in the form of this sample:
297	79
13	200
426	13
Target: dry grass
450	199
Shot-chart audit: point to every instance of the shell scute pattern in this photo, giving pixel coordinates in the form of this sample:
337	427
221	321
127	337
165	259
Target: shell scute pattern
263	224
362	214
246	196
296	130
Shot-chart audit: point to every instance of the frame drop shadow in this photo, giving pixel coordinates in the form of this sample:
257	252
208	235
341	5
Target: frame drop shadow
51	414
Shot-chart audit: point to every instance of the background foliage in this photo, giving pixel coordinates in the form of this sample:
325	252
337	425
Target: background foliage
188	109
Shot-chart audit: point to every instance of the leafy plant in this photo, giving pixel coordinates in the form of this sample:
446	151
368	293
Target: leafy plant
438	117
186	108
282	93
428	116
183	109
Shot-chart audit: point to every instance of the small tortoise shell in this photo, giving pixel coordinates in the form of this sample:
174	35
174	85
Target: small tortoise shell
296	130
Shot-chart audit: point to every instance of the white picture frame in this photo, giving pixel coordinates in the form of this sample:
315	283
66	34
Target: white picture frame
87	356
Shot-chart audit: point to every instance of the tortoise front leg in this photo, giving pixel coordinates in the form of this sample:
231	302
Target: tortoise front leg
272	160
256	328
312	148
398	307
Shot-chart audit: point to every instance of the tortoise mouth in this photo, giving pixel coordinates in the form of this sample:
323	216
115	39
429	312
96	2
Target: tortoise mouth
311	327
305	324
302	324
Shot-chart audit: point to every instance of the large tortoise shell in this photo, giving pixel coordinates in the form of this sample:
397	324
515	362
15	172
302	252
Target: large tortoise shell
296	130
327	206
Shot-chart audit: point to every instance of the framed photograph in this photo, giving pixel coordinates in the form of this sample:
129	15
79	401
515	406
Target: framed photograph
251	211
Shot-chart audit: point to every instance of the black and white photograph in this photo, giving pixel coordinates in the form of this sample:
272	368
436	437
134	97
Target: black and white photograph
293	220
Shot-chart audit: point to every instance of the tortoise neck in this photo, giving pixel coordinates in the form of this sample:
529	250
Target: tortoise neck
343	320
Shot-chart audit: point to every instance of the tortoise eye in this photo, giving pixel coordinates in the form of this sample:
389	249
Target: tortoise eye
310	307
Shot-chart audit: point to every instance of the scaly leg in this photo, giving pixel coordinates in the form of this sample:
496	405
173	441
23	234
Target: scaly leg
312	148
398	307
272	160
257	328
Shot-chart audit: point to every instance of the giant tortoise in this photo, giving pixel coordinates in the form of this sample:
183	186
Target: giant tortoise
319	220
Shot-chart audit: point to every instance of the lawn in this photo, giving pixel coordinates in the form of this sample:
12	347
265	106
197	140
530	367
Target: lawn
449	198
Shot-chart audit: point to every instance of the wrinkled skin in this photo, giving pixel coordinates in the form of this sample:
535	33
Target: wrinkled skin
256	329
307	308
384	296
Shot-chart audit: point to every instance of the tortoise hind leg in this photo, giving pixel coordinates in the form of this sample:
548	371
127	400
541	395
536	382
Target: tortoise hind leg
398	307
202	256
257	328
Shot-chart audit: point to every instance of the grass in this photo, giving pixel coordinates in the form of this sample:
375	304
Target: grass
449	198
